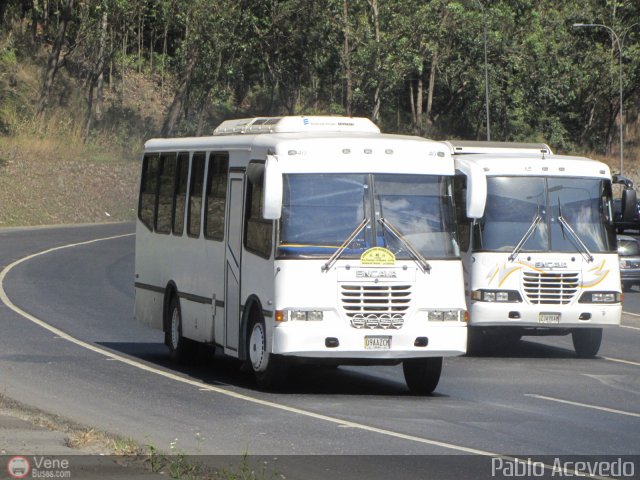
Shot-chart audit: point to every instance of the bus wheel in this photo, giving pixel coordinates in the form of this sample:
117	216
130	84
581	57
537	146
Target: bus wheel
180	348
586	341
268	369
422	374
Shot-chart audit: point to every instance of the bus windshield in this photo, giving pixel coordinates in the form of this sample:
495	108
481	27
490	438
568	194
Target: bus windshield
321	211
514	204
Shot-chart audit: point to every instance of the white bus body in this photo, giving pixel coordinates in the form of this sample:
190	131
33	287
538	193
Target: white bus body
265	270
541	257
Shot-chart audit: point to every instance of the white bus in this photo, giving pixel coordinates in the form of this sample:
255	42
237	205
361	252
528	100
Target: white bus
316	239
542	259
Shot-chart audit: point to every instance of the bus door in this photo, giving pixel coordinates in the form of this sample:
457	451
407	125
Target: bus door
233	262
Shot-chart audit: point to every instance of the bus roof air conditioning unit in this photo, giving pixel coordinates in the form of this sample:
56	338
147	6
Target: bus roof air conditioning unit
296	124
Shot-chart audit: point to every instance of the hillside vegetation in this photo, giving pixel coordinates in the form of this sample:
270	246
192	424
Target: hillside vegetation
84	83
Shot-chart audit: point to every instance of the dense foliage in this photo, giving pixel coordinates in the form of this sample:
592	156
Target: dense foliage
411	65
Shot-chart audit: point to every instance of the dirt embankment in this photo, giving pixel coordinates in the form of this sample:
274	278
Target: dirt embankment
44	192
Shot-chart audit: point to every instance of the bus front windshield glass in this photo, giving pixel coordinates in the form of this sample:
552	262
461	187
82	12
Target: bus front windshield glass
514	205
321	211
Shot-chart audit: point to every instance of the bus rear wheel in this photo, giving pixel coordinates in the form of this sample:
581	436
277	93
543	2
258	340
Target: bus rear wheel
586	341
269	370
422	374
180	349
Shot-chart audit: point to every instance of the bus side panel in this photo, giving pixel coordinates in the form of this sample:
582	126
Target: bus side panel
195	283
148	300
258	280
148	308
215	286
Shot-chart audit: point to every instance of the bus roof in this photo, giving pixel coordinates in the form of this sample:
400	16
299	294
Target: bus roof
462	147
535	164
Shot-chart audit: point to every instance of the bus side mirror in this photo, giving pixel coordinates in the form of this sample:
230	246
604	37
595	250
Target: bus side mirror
272	192
629	205
476	187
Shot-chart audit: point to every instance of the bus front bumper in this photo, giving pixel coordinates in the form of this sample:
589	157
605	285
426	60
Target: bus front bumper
579	315
322	340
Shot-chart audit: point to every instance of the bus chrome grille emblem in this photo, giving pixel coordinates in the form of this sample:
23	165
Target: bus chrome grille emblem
550	288
376	306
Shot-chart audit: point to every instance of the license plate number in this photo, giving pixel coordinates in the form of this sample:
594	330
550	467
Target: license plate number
377	343
548	317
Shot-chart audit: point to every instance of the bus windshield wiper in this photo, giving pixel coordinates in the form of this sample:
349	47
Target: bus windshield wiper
573	236
417	256
334	258
526	237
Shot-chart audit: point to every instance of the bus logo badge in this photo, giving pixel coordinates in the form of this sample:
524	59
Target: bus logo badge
550	265
378	256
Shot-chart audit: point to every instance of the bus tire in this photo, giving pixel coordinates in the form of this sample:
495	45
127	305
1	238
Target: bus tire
181	349
422	374
269	370
586	341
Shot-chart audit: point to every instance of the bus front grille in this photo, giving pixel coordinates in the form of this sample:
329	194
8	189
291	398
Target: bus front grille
550	288
376	306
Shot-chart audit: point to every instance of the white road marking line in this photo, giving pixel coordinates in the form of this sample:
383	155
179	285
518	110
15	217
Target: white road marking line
632	328
583	405
620	360
203	386
632	314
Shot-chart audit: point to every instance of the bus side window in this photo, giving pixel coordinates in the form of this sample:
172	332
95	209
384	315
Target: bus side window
148	190
195	194
165	192
258	232
180	193
216	196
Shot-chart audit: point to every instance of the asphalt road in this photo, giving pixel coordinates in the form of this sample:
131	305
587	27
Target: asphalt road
103	369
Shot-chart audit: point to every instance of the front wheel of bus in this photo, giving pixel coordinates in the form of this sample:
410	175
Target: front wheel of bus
586	341
422	374
269	370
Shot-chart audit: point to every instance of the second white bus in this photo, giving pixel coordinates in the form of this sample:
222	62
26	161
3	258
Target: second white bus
542	258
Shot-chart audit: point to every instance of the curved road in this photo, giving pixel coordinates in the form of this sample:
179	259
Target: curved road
91	362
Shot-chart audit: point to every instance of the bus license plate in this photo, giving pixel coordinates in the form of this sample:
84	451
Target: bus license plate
548	317
377	343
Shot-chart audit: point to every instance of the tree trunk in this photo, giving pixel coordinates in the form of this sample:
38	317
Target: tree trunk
419	108
125	39
432	85
347	59
164	54
140	39
54	58
96	77
34	20
412	102
45	16
176	107
375	114
3	10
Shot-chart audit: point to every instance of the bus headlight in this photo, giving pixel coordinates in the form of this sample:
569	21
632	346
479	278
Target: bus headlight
601	297
299	315
496	296
446	315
